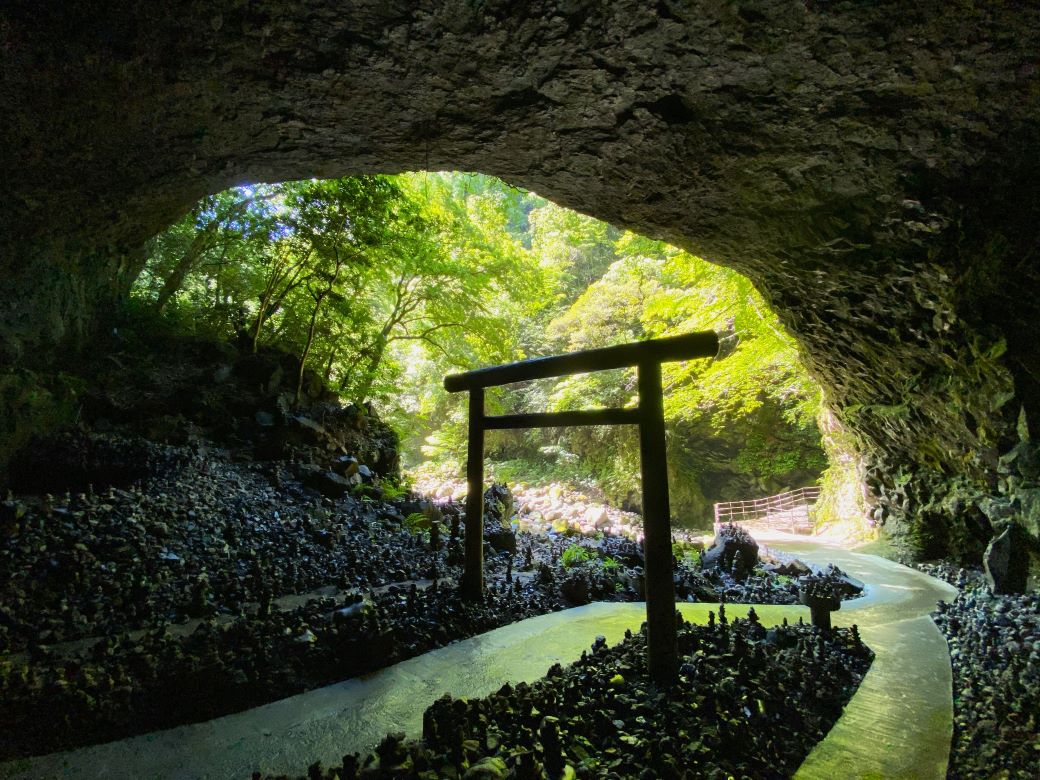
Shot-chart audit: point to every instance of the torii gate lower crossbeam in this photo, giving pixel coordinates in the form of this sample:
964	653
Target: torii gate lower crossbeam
647	357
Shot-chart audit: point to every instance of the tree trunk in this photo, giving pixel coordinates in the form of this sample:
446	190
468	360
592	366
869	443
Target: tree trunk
199	245
307	346
269	303
328	366
374	361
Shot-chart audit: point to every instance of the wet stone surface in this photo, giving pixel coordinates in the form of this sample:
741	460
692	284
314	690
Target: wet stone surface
750	701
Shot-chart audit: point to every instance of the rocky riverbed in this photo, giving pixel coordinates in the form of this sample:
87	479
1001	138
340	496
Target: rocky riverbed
994	643
549	508
750	702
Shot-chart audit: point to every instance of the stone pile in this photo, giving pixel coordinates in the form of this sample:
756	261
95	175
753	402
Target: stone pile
834	582
733	551
994	643
200	535
750	702
498	512
129	684
207	585
75	462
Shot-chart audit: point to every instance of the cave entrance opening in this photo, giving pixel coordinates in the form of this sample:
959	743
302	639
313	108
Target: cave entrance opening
647	357
486	274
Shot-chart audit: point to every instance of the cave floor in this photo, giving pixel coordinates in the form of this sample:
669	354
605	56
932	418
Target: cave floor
898	723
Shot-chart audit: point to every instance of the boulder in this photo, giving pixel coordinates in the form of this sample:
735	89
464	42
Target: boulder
575	589
306	431
733	551
636	581
345	465
327	483
501	539
597	517
490	768
498	502
1006	560
793	568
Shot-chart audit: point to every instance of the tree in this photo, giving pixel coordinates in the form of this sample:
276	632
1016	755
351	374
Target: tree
346	272
220	221
340	223
287	263
737	426
437	277
383	284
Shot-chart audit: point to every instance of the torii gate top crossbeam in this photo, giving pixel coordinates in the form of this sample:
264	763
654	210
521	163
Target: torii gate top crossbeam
666	350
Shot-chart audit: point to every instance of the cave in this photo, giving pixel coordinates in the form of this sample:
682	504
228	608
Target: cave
871	167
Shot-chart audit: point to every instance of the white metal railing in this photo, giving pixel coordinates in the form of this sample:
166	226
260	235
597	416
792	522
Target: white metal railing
784	510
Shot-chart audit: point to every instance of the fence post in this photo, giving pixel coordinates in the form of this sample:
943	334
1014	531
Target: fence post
662	650
472	586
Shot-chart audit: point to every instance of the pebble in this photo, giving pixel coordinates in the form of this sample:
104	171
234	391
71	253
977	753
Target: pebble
746	709
996	682
210	585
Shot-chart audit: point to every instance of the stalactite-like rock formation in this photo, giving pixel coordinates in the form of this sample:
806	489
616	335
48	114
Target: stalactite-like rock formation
872	167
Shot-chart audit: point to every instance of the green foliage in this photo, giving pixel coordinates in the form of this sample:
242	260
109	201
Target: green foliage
610	565
384	284
842	506
686	550
392	491
417	521
739	426
378	283
575	555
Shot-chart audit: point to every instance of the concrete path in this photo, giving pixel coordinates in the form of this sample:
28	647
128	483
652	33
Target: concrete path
897	725
288	735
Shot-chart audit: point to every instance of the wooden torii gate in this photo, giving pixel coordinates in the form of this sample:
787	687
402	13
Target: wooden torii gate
647	356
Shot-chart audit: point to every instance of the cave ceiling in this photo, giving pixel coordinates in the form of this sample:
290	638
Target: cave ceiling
871	167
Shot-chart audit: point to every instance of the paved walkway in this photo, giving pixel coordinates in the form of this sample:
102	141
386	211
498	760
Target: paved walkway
897	725
288	735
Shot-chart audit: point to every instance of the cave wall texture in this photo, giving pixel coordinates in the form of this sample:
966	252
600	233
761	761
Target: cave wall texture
871	166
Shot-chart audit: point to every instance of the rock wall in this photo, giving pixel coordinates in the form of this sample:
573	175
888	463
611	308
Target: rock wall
870	166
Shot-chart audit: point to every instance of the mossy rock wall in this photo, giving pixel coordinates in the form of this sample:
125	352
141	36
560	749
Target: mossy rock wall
870	166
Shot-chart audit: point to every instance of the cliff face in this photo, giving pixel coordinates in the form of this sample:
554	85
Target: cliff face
871	167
